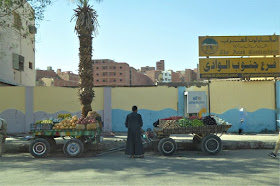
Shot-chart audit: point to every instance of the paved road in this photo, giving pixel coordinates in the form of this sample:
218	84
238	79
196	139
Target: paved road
239	167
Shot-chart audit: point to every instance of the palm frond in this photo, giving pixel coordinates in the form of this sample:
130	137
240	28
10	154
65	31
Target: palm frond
86	18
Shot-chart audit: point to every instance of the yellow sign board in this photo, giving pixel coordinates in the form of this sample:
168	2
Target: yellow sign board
239	45
239	67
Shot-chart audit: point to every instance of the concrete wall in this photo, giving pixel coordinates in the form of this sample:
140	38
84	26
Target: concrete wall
231	100
254	101
153	103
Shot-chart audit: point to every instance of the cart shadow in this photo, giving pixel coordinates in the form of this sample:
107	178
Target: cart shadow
182	162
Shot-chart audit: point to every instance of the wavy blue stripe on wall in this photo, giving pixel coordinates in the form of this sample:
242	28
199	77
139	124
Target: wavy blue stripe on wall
148	116
258	121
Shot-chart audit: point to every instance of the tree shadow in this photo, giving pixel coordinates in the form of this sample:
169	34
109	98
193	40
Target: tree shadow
236	164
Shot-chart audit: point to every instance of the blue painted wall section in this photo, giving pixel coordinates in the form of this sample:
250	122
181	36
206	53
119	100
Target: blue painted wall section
255	122
148	116
181	91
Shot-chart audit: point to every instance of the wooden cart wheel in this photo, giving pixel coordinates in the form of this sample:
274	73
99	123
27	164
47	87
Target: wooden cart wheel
211	144
39	148
73	148
167	146
52	144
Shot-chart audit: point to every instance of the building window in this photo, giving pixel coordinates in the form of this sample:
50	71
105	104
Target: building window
103	80
17	21
120	67
112	67
120	73
30	65
104	67
96	67
114	80
114	73
97	74
165	79
97	80
105	74
103	61
120	79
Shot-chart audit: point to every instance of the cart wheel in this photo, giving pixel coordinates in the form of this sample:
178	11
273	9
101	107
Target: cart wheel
52	142
167	146
211	144
39	148
73	148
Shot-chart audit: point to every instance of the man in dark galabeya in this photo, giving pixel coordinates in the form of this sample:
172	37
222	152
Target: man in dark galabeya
134	144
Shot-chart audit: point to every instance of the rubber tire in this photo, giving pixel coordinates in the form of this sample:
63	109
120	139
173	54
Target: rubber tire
53	144
208	142
167	141
75	143
37	143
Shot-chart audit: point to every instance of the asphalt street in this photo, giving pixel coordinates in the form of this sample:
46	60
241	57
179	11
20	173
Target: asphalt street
236	167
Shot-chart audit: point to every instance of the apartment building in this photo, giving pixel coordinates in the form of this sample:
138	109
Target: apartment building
160	65
58	79
17	48
107	72
147	68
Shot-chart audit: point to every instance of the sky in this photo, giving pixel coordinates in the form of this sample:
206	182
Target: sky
142	32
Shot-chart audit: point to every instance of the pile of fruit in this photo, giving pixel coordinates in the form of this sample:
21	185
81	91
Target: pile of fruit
177	121
208	120
67	123
63	116
170	124
45	121
186	122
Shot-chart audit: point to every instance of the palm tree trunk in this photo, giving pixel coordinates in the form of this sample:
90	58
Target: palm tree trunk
85	92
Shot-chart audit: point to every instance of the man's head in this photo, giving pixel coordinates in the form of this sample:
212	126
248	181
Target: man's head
134	108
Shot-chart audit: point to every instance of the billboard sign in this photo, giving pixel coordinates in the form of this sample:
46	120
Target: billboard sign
239	67
239	45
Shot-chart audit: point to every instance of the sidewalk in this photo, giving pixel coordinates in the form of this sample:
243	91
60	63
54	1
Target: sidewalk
230	142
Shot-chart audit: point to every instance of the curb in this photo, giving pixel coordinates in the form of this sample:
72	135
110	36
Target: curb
186	145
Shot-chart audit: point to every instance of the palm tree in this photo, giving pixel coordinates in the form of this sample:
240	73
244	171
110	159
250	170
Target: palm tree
86	25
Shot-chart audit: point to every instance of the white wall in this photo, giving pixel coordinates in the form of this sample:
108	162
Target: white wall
166	75
12	41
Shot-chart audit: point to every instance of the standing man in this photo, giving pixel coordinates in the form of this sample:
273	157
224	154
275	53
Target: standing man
3	134
134	144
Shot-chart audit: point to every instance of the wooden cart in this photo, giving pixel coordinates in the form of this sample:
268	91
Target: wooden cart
204	136
44	141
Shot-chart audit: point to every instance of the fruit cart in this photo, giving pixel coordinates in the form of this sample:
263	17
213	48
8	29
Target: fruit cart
44	141
205	137
81	136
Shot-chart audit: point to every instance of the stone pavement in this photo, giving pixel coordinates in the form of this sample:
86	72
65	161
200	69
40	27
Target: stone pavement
20	143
